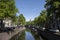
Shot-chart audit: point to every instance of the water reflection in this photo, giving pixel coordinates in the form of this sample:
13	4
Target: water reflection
22	36
28	36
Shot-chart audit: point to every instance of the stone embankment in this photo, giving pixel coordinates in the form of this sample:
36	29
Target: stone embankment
8	35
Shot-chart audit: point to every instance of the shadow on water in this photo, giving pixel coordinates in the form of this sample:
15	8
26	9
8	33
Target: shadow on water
27	35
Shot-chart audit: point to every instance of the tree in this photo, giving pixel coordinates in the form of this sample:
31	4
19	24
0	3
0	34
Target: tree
35	21
41	19
53	11
7	9
53	7
28	23
15	21
21	19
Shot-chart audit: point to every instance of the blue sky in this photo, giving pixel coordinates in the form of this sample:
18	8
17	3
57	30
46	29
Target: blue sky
30	8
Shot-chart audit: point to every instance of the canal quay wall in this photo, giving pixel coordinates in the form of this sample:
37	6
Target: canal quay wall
46	35
8	35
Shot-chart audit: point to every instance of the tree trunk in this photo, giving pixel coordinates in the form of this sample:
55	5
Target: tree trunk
2	25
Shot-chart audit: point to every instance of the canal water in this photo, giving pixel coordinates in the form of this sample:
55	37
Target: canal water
27	35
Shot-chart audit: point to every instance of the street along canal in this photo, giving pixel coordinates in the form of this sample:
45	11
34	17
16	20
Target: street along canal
27	34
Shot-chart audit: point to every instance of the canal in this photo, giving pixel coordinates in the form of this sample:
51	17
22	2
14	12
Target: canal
27	34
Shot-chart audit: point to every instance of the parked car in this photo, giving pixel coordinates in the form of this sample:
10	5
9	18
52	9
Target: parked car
53	30
42	28
3	30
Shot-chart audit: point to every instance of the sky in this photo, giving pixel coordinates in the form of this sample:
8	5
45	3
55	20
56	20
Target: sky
30	8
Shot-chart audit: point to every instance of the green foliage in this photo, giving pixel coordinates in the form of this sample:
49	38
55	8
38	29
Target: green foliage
15	20
40	20
53	6
28	23
42	17
53	12
7	9
21	19
35	20
56	4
